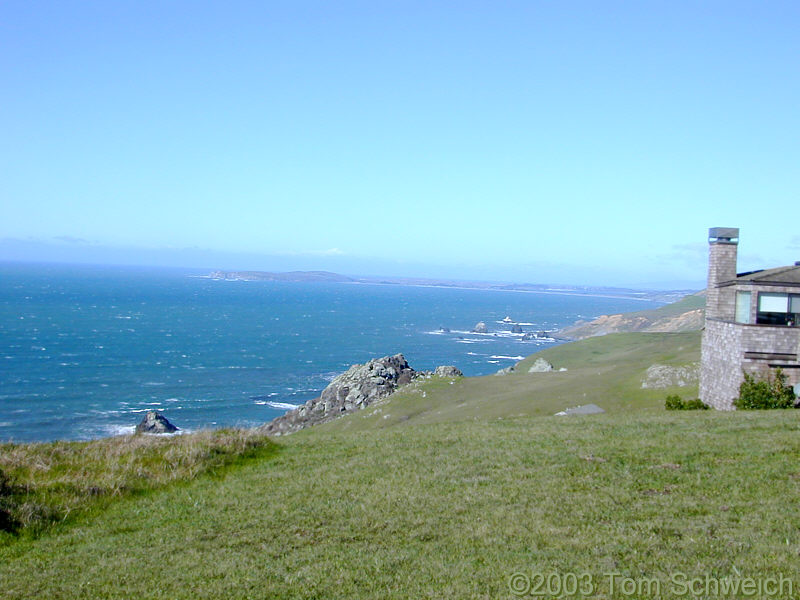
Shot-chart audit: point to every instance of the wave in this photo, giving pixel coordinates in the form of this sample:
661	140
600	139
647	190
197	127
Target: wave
286	405
120	429
508	357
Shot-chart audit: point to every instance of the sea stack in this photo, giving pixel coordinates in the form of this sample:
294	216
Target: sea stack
480	327
155	422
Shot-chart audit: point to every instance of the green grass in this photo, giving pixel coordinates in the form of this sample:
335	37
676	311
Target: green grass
52	482
443	491
447	510
606	371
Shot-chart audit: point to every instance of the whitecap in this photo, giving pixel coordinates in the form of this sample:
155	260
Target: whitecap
282	405
508	357
120	429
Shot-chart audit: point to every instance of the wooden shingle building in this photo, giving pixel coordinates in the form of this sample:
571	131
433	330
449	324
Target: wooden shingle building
751	322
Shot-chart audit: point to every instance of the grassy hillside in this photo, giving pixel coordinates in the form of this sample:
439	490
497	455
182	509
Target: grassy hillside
684	315
449	490
448	510
605	371
46	484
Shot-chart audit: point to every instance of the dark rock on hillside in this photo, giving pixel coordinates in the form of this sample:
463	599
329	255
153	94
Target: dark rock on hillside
353	390
155	422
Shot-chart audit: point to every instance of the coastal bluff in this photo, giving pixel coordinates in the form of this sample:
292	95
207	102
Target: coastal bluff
356	388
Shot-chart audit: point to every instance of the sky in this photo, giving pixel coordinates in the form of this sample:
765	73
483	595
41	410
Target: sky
585	143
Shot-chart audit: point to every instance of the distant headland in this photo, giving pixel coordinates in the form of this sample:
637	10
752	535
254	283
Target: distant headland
294	276
327	276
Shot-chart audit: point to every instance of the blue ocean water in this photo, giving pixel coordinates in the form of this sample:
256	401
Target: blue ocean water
86	350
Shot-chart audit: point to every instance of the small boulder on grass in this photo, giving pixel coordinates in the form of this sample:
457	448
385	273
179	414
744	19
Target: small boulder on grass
540	365
448	371
155	422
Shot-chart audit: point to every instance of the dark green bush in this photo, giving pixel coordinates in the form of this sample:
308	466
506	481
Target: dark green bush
769	392
7	521
675	402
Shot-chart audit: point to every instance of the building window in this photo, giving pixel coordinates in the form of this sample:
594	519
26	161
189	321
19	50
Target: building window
743	307
777	309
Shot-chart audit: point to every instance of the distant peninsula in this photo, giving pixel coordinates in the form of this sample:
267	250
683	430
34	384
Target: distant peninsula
294	276
540	288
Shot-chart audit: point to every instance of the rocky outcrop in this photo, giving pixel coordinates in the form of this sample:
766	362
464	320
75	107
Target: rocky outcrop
480	327
353	390
665	376
516	328
505	371
447	371
155	422
540	365
532	335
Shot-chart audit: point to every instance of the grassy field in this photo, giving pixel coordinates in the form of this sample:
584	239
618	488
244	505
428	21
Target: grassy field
447	510
45	484
456	492
606	371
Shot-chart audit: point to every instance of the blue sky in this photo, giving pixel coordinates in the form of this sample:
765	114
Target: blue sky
562	142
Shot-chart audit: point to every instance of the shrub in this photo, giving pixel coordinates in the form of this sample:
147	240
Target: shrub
675	402
7	521
769	392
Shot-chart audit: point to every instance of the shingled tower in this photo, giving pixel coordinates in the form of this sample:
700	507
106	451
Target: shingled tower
723	246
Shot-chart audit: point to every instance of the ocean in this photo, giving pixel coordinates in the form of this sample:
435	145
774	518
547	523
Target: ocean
86	350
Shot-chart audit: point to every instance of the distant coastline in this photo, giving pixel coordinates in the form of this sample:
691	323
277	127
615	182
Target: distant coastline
665	296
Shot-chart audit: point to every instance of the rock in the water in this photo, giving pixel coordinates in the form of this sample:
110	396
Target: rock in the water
444	329
540	365
664	376
516	328
155	422
480	327
586	409
447	371
353	390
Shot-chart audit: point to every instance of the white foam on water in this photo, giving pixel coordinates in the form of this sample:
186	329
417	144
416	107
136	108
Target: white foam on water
508	357
286	405
120	429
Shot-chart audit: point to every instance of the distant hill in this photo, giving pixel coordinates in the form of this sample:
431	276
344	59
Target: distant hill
268	276
687	314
